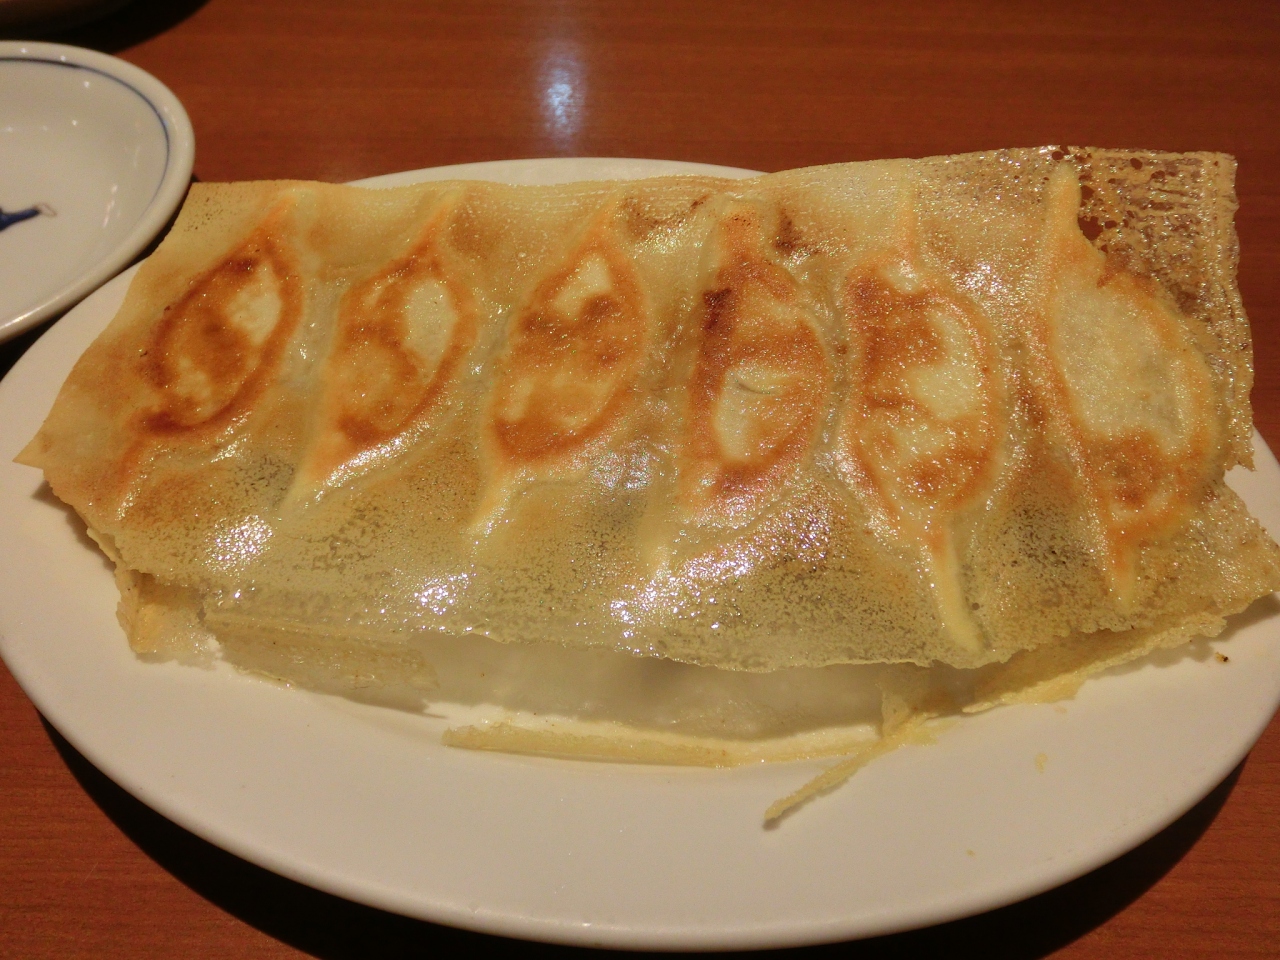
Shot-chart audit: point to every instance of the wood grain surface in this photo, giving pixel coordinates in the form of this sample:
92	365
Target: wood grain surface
335	90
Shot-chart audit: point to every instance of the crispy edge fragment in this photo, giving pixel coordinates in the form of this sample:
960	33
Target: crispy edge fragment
910	732
618	743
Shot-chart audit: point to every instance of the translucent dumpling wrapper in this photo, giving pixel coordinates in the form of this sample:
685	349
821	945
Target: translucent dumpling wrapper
966	418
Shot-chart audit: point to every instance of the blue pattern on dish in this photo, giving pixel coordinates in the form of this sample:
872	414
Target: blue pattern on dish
9	217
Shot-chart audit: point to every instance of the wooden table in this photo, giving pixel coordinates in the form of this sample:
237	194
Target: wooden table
336	90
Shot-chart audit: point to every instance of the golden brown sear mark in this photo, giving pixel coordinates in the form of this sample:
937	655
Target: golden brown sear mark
573	354
788	239
919	431
402	335
642	218
759	380
214	350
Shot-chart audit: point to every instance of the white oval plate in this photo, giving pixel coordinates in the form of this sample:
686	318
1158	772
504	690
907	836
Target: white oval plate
366	804
104	150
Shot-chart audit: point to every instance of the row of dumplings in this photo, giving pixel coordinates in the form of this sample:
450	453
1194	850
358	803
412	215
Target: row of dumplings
912	406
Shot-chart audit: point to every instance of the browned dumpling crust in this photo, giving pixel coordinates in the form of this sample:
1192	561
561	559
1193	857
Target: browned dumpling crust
401	337
944	411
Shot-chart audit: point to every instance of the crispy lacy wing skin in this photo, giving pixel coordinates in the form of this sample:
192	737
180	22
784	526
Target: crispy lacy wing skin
965	411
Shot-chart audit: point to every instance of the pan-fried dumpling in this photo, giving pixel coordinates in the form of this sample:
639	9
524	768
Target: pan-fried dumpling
957	413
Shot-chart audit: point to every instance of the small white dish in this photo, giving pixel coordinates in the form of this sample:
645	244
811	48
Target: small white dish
102	152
